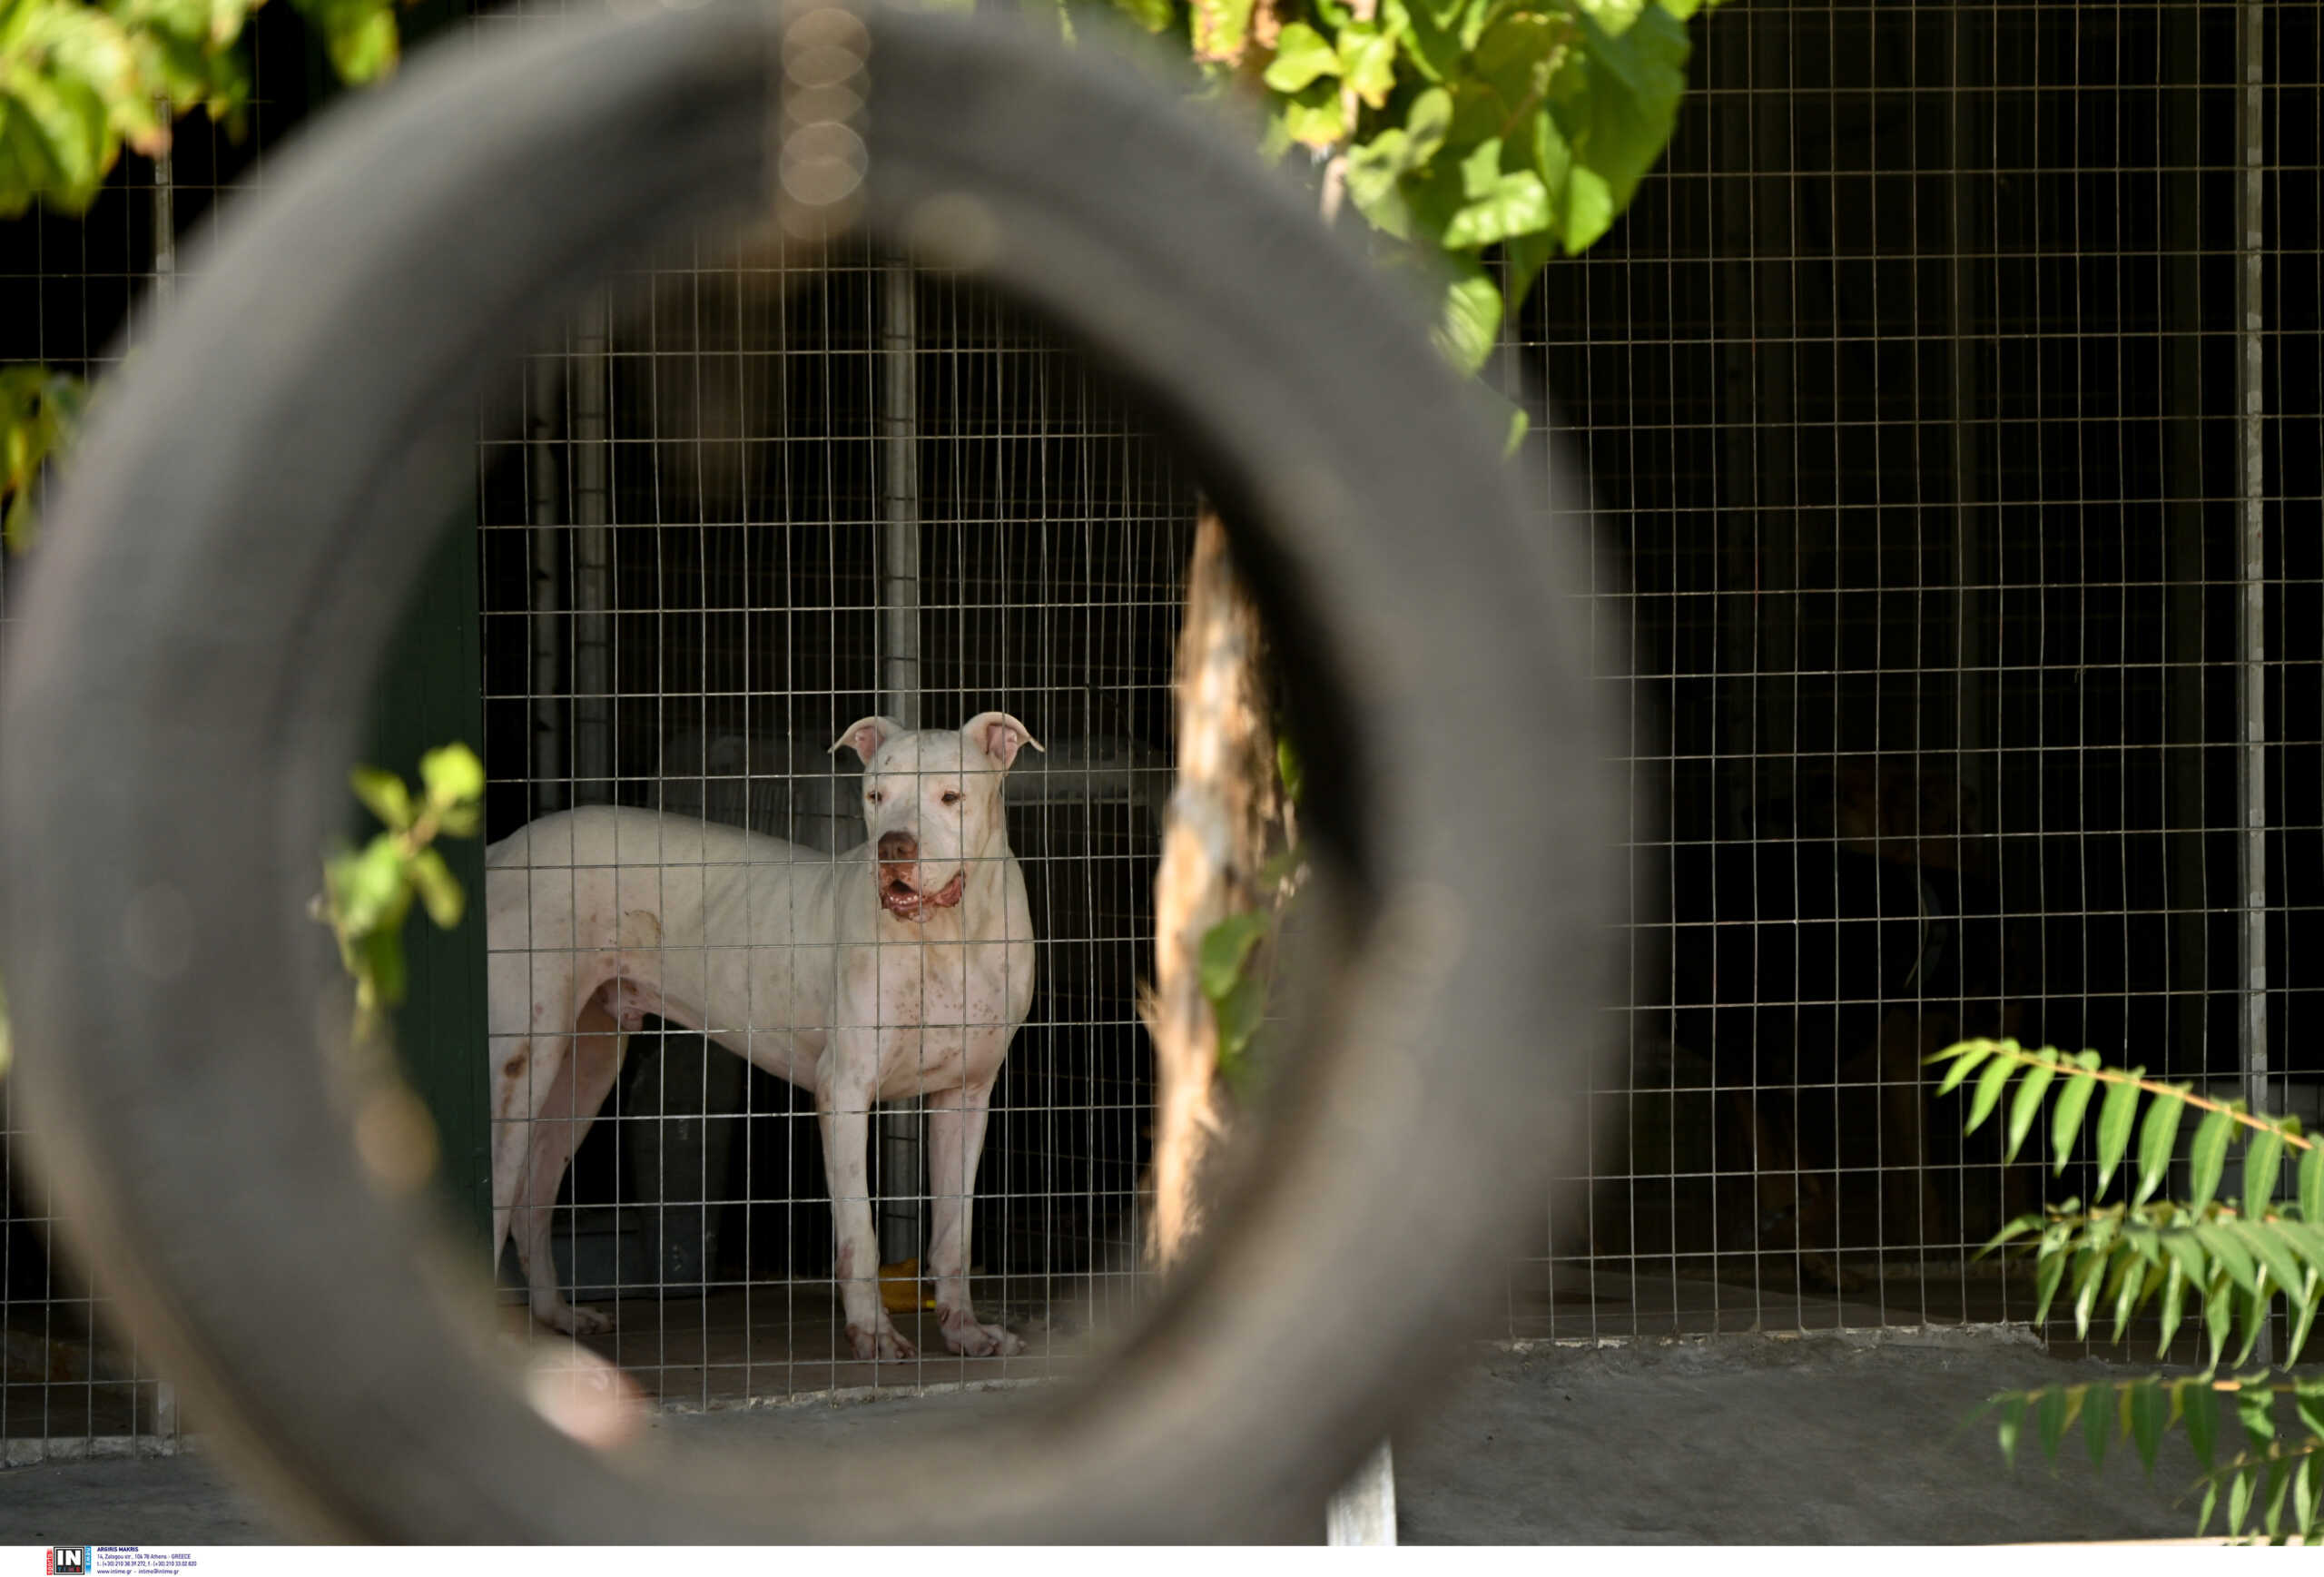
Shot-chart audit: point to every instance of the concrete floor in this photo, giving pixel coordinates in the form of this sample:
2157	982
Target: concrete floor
1741	1439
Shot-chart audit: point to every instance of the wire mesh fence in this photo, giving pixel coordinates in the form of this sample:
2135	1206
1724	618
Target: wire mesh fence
750	508
1952	403
80	292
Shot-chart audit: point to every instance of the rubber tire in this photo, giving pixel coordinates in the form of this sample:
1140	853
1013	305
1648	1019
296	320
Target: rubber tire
217	586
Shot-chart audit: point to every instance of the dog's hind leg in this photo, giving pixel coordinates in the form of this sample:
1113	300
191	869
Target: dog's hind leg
584	1077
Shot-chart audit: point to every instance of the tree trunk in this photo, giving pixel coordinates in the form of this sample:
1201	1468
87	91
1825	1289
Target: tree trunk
1226	816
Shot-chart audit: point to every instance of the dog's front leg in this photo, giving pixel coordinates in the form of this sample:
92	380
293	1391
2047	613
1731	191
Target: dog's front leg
956	1121
843	1111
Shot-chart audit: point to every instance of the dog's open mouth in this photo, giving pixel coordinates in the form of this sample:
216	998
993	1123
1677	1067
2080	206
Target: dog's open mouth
897	897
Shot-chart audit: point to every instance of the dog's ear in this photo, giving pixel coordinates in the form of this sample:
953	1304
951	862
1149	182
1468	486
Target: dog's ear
999	736
866	736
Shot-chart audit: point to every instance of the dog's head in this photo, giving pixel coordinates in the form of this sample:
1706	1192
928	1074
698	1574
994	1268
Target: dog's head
931	801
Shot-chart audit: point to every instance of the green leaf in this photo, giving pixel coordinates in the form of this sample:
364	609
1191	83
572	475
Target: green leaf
1225	949
1590	206
2253	1306
2239	1500
1302	55
1153	16
1219	30
2132	1284
2051	1415
2255	1409
2065	1121
2157	1136
1989	1088
367	885
1469	323
2175	1294
2052	1271
1614	15
1516	204
363	48
2011	1407
384	795
2303	1494
1376	169
2306	1239
2207	1158
2027	1106
379	978
2312	1183
2219	1315
2272	1249
2095	1432
1368	57
2114	1116
2089	1273
439	890
2303	1318
1518	423
1432	45
1312	117
2307	1406
2203	1420
1616	99
2230	1252
2150	1408
2262	1164
2013	1230
453	776
1966	1058
1509	74
1240	1015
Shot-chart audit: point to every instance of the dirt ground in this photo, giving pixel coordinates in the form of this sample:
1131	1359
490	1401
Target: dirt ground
1835	1439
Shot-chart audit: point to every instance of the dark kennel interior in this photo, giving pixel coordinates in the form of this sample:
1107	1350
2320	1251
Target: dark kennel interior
1952	398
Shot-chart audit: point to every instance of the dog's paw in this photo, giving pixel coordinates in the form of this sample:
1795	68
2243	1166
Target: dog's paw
887	1345
965	1337
573	1322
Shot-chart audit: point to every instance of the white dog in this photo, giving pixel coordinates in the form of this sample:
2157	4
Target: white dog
902	968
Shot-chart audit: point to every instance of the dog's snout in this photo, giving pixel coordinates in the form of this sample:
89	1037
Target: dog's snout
895	848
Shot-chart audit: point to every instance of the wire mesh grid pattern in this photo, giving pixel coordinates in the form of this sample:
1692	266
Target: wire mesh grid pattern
1951	396
1951	401
748	509
80	292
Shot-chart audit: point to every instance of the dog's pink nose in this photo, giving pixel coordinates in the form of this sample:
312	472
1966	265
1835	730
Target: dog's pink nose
895	848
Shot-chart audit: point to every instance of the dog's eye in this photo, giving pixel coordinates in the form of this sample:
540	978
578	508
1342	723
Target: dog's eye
951	796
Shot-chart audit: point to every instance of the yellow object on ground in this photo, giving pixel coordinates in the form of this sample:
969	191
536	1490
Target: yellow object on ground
899	1287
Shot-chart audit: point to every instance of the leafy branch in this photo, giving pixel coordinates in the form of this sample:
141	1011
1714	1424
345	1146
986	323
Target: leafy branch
78	81
2268	1473
1468	134
2228	1261
78	84
40	409
368	892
